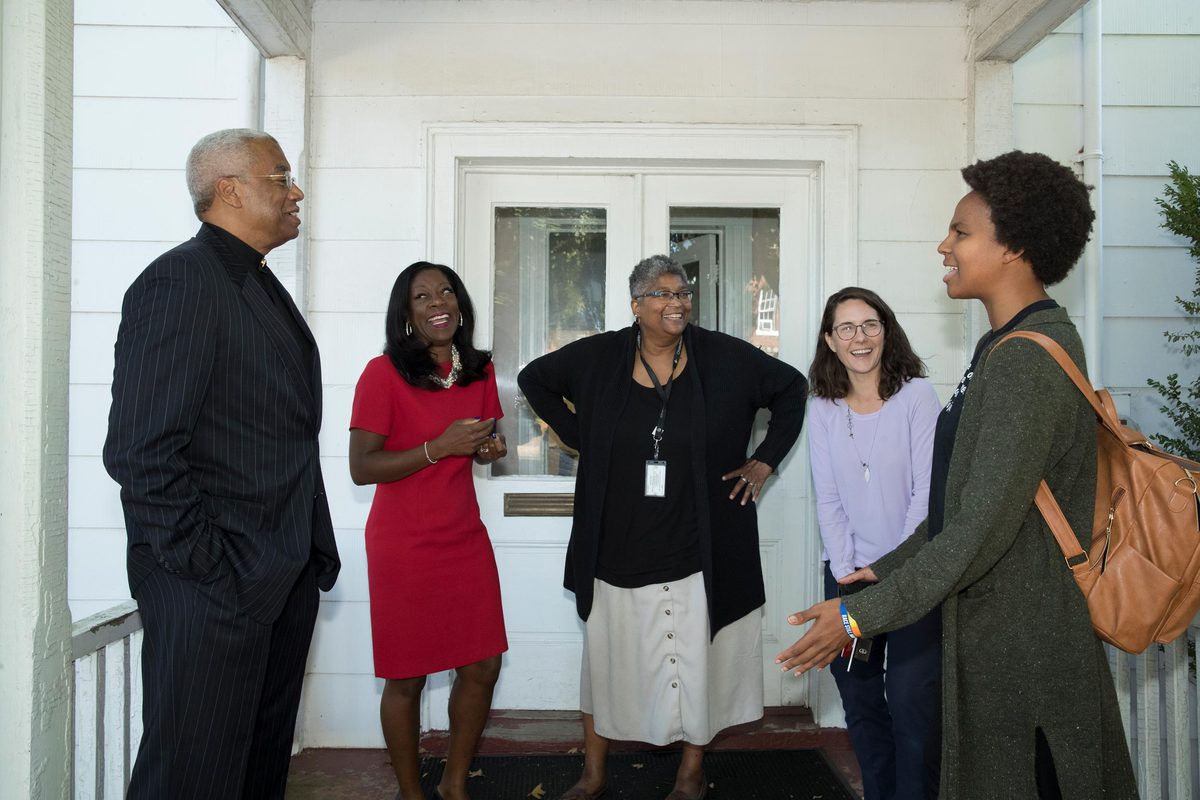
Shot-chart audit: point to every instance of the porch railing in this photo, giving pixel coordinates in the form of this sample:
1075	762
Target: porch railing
1159	703
1157	692
107	650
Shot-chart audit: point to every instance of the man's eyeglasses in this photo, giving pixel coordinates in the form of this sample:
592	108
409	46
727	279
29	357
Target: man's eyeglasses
846	330
684	295
284	179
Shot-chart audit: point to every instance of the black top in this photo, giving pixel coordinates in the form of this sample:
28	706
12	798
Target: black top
732	380
646	540
246	262
947	423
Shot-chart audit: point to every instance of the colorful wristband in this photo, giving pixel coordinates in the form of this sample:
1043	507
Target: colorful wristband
849	622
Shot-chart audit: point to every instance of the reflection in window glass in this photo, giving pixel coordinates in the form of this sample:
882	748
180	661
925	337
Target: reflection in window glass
549	291
731	256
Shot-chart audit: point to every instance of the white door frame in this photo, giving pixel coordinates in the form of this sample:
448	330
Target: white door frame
829	152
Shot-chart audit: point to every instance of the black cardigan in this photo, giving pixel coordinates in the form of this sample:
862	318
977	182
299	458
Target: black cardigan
733	379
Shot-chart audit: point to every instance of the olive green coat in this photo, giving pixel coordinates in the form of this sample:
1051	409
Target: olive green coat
1018	648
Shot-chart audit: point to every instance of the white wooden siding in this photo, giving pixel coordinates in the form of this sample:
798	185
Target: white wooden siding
1151	111
150	79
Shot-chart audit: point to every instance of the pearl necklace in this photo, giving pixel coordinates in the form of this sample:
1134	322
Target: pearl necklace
866	464
455	368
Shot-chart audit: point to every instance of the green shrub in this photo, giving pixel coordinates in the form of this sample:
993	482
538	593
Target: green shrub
1180	209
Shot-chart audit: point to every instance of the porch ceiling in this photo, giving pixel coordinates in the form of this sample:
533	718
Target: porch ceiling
1001	30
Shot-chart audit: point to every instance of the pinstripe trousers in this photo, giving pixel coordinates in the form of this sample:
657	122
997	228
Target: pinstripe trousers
220	689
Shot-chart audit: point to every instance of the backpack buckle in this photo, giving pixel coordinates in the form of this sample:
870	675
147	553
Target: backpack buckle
1075	560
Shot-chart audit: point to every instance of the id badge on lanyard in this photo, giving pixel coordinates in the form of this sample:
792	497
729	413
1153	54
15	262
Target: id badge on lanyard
656	468
656	478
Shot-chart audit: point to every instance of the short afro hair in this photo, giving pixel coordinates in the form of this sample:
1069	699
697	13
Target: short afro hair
1038	207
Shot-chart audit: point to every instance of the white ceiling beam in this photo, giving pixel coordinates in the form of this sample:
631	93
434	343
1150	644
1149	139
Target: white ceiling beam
277	27
1004	30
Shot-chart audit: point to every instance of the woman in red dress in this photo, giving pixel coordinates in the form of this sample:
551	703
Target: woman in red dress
422	412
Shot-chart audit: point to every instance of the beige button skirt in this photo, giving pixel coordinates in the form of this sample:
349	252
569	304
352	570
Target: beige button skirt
650	673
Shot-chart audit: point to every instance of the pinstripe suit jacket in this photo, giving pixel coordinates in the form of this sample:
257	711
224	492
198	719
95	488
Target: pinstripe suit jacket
213	430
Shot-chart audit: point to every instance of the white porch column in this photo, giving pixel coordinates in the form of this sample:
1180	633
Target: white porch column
282	32
35	255
991	121
285	116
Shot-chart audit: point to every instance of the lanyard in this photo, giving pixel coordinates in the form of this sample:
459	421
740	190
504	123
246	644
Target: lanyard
663	392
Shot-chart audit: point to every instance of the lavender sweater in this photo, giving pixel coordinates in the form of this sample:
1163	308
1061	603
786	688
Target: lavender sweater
863	520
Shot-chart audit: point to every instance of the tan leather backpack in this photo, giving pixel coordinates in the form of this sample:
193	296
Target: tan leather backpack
1141	574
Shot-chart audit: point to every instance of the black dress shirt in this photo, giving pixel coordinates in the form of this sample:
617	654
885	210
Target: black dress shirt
252	265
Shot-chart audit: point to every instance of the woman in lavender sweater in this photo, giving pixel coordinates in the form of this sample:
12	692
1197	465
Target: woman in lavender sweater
870	438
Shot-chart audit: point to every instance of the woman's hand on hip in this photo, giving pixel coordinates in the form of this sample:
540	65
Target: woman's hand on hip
494	448
821	643
462	437
748	480
864	574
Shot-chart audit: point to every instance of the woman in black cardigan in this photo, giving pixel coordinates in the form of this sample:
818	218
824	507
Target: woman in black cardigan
663	558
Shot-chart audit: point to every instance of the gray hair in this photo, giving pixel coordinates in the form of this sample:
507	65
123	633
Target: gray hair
218	155
649	270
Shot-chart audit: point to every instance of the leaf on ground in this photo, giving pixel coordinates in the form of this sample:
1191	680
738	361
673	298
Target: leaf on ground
475	773
574	751
538	792
637	766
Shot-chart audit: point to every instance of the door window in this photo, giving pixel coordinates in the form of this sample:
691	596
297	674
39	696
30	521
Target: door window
731	256
549	291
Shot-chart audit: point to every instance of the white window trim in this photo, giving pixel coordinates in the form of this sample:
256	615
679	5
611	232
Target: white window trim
830	152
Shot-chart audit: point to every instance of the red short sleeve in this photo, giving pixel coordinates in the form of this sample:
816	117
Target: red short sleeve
372	410
491	397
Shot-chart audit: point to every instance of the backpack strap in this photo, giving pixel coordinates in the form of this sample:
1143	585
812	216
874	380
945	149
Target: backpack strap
1068	542
1100	401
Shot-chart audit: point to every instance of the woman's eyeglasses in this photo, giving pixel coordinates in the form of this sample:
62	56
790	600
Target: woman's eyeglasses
846	330
684	295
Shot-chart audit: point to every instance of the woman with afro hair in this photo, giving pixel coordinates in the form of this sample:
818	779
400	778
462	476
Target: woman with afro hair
1028	704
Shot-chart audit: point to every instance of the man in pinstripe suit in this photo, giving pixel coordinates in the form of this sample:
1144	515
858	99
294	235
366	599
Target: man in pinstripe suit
213	439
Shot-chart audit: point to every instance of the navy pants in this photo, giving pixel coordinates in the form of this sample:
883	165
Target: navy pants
220	689
893	709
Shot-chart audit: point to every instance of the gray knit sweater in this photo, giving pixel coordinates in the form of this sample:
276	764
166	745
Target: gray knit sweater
1018	649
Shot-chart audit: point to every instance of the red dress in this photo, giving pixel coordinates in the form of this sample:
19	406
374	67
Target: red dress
435	593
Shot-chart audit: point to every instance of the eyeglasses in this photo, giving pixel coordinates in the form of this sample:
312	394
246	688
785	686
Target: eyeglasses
284	179
684	295
846	330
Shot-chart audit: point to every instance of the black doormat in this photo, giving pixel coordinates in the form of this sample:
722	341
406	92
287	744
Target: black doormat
732	775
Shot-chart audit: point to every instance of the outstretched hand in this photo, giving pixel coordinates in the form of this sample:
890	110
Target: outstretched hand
821	643
748	480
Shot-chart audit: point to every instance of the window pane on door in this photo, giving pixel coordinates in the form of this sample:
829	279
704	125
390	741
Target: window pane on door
731	256
549	291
